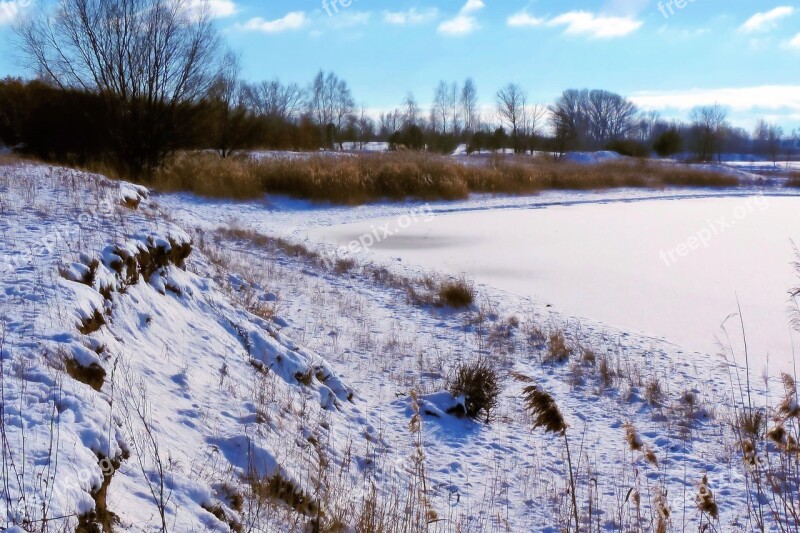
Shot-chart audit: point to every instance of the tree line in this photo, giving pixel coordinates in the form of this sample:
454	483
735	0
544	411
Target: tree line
130	81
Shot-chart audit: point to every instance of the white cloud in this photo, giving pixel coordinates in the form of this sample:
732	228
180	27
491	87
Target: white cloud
10	10
524	20
597	26
775	97
465	22
471	6
795	42
461	25
292	21
216	8
412	16
767	20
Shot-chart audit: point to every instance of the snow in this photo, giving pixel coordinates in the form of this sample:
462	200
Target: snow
366	147
668	269
240	359
383	345
592	158
165	338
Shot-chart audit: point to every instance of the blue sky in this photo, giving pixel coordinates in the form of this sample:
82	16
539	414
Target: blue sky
668	56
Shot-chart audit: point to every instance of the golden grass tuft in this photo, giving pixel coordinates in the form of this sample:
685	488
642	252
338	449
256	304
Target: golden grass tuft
632	438
705	500
543	409
558	350
457	293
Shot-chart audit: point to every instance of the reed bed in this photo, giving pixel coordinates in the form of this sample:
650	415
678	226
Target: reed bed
365	178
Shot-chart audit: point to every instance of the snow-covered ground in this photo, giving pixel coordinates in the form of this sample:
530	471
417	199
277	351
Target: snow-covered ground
635	265
597	414
214	386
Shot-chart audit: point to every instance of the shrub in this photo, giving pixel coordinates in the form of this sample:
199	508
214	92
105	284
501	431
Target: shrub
629	148
479	384
669	143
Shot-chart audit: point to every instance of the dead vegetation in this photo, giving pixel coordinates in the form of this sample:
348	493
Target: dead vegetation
479	384
93	375
793	180
363	178
457	293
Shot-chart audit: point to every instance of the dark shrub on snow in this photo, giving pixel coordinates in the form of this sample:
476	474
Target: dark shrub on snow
479	384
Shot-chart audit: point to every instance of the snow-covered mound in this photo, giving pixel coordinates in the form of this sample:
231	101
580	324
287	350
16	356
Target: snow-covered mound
135	393
592	158
366	147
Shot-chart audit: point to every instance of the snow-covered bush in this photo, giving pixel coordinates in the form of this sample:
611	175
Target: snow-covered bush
478	383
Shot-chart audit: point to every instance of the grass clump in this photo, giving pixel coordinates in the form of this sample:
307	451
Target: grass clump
558	350
479	384
457	294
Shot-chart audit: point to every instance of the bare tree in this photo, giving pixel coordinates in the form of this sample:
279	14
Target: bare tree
511	102
147	58
442	110
276	100
412	112
317	107
365	127
469	106
709	124
390	122
452	106
569	120
768	139
534	116
231	127
330	103
611	116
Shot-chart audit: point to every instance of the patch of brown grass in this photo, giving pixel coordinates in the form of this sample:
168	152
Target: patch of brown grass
9	159
794	180
93	375
558	350
364	178
457	293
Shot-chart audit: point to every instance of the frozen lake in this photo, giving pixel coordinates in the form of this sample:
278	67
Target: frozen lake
670	269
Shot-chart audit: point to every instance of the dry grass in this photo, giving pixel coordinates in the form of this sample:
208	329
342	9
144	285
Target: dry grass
558	350
9	159
458	293
794	180
479	384
372	177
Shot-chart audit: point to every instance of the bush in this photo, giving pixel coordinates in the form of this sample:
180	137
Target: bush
479	384
629	147
669	143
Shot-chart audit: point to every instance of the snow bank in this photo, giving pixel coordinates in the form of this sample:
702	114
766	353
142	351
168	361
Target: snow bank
592	158
121	370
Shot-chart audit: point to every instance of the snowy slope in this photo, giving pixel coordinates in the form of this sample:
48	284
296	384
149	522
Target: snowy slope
501	476
132	387
167	355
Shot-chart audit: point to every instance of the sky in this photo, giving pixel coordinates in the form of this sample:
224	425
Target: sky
667	55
